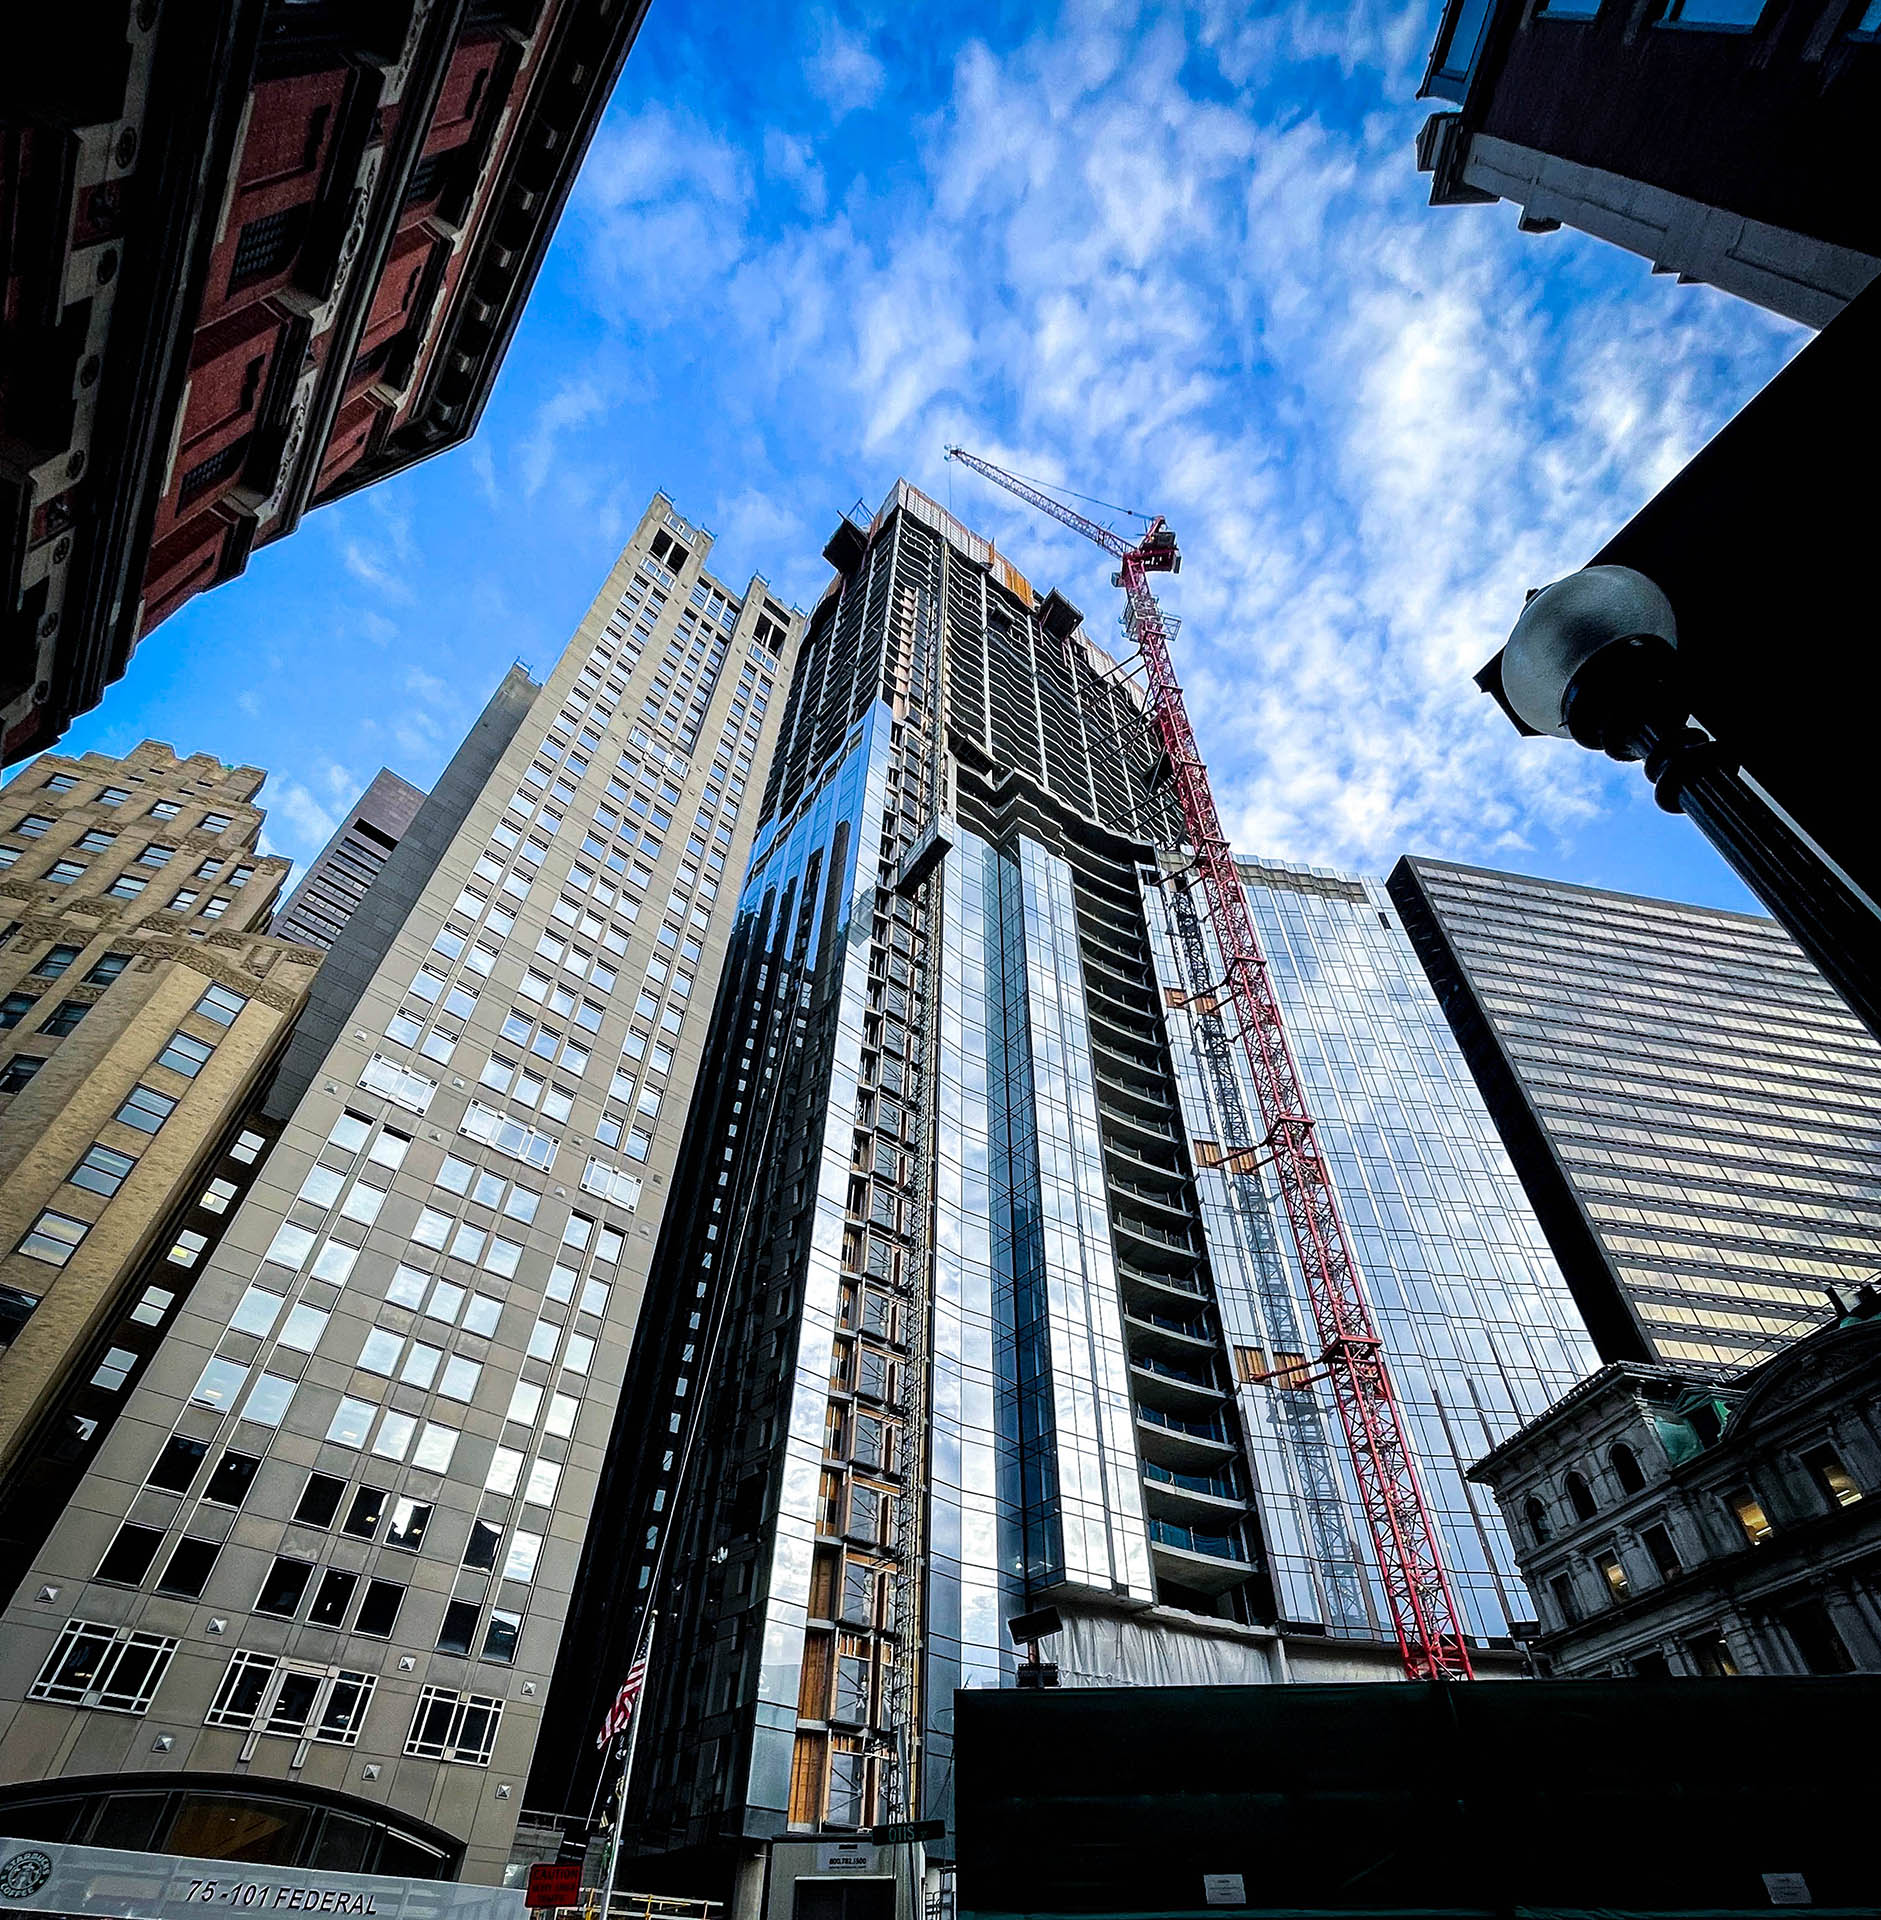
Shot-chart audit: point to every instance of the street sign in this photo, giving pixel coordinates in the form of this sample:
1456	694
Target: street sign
1224	1890
554	1883
907	1831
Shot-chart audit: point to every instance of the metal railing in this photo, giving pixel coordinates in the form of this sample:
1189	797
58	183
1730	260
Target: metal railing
1219	1546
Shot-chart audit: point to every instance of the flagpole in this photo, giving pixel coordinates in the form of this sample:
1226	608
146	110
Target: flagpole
626	1769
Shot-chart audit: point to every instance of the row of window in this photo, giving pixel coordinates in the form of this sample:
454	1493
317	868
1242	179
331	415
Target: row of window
127	885
55	1236
119	1670
112	796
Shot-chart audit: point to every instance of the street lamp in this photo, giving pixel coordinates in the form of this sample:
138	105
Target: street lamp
1594	658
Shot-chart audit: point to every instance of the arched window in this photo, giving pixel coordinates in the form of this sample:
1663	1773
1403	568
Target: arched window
1626	1468
1537	1517
1580	1497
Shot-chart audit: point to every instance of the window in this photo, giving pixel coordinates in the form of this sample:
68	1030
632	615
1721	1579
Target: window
378	1612
185	1054
385	1076
367	1510
127	886
18	1072
67	1016
114	1369
458	1632
63	872
454	1726
221	1381
1537	1517
525	1549
500	1637
129	1555
319	1500
109	966
146	1109
1580	1497
156	854
190	1567
1747	1511
56	962
1728	15
113	796
1626	1468
103	1170
1651	1665
1711	1654
1665	1556
110	1668
1826	1469
234	1475
296	1701
221	1005
410	1518
54	1238
332	1597
33	826
1613	1572
15	1007
1562	1587
176	1466
281	1591
269	1400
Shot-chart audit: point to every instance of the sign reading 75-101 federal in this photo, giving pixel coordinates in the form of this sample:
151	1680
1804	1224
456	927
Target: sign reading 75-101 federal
50	1877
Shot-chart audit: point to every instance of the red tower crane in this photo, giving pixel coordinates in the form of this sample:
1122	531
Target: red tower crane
1404	1538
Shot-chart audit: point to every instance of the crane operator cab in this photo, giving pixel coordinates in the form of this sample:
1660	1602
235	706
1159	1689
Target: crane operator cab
1158	550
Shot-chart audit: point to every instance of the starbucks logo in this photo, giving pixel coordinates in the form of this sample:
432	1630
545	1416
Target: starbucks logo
23	1874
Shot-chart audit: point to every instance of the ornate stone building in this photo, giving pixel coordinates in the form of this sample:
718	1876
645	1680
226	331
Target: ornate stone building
143	1006
1672	1524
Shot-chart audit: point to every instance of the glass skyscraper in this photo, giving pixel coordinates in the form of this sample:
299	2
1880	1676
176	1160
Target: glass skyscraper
1695	1114
970	1299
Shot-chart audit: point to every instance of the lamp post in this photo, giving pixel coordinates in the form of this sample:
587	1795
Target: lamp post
1594	659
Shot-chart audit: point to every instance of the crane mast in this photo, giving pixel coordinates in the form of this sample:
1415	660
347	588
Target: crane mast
1424	1612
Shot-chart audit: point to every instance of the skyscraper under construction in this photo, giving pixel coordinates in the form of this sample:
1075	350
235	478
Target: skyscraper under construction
969	1299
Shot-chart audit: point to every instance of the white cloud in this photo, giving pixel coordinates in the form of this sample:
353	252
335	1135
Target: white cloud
842	72
1144	256
793	161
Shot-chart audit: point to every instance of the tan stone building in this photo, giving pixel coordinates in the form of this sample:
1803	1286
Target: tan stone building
306	1597
142	1007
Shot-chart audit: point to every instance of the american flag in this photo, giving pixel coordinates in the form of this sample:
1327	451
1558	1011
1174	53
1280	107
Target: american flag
622	1711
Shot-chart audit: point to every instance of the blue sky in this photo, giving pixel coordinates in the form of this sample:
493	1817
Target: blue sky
1176	256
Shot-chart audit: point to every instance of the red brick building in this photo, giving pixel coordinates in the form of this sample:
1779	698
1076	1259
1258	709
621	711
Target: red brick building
254	254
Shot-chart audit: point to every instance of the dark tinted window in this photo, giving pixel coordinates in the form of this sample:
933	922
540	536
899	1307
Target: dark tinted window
177	1463
330	1602
234	1475
459	1628
189	1568
129	1556
286	1582
367	1510
378	1612
319	1500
